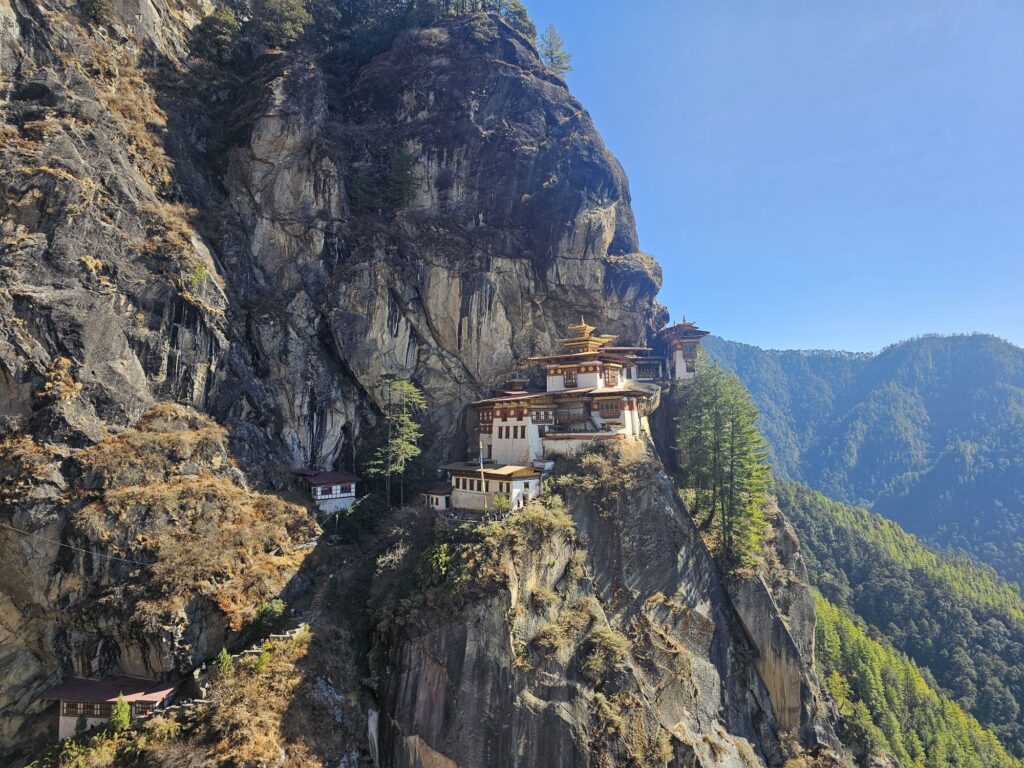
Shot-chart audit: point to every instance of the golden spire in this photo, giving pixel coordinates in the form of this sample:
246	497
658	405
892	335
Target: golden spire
582	330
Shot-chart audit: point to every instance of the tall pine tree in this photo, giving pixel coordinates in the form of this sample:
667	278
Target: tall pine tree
553	53
404	402
723	458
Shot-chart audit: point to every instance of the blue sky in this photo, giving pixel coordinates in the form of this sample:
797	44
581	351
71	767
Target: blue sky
817	174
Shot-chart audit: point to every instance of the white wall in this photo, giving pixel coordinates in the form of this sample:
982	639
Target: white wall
330	506
515	450
66	726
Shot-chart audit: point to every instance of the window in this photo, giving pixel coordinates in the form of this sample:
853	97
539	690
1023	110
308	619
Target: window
85	709
489	447
611	377
569	378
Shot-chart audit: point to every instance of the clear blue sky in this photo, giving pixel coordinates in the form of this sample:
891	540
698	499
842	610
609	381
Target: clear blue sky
817	174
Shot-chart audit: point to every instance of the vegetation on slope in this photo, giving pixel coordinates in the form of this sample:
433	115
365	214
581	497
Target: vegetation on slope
930	432
345	32
266	710
887	706
165	493
951	616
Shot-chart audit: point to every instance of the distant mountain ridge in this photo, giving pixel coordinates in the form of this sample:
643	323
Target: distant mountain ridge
928	432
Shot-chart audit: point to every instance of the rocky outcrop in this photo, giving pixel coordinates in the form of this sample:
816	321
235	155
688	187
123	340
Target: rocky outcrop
511	678
146	561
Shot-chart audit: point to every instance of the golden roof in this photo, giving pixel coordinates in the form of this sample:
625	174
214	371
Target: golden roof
584	336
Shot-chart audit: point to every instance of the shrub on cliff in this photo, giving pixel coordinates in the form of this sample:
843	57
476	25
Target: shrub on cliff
120	715
216	36
97	12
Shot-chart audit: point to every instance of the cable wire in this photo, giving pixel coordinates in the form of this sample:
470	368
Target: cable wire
77	549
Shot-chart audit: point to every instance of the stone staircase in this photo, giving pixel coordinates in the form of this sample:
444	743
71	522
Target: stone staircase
202	677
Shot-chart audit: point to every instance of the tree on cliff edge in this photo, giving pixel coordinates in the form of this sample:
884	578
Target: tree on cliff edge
723	458
552	52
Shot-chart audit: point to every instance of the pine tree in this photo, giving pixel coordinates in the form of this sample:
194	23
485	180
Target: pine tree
216	36
723	458
279	23
514	12
552	52
404	402
120	715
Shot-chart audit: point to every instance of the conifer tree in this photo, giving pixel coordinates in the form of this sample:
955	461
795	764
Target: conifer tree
223	664
280	22
216	36
552	52
723	458
120	715
514	12
404	402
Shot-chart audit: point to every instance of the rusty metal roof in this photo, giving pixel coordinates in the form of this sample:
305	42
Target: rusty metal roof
110	688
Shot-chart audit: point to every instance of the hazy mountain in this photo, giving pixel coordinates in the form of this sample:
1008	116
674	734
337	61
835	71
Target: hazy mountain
928	432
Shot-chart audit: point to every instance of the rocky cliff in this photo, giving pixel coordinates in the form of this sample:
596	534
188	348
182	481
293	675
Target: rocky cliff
262	249
597	632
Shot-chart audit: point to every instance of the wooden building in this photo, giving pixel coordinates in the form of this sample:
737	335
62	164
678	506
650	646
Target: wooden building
477	486
332	491
92	701
682	342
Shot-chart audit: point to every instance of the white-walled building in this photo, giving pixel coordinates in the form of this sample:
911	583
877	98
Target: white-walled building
682	341
92	701
477	487
591	395
332	491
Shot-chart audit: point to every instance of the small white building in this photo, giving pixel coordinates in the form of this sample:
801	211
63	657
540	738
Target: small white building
478	488
438	498
91	702
332	491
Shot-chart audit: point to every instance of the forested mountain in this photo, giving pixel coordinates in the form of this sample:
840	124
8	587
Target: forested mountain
928	432
888	706
958	620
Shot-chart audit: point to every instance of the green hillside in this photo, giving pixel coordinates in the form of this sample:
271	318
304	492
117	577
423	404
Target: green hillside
888	706
951	616
930	432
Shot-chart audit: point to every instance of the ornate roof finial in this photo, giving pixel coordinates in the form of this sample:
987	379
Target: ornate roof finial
582	330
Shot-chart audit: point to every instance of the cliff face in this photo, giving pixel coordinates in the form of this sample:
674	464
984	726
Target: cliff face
600	635
264	250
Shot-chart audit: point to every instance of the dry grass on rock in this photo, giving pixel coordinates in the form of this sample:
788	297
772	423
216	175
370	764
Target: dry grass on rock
167	493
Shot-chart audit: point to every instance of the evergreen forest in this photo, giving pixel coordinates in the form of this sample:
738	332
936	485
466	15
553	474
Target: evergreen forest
929	433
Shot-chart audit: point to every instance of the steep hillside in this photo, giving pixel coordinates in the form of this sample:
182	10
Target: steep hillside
591	628
927	432
956	619
889	709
